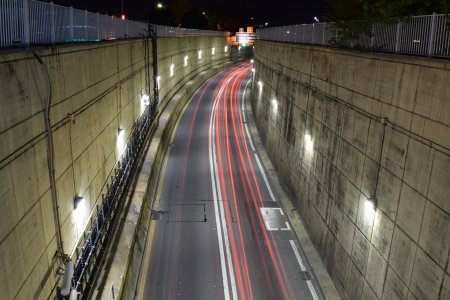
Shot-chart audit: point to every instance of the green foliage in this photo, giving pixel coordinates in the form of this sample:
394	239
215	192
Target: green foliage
355	17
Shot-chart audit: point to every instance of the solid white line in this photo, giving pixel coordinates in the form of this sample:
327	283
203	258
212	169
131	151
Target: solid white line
250	140
302	267
266	181
287	226
215	178
226	291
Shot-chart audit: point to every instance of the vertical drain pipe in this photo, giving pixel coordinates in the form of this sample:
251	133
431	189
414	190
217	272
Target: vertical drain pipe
152	31
51	153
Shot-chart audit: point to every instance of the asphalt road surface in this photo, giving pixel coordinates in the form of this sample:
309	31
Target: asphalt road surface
218	230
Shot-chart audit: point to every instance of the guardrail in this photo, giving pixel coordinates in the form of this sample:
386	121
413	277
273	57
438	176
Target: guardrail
419	35
29	22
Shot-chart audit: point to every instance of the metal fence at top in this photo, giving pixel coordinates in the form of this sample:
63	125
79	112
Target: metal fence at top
25	22
420	35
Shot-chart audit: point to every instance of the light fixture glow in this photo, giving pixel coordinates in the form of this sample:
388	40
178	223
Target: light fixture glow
213	51
260	83
121	141
252	61
77	201
159	5
186	58
158	80
172	67
200	52
225	49
370	206
308	148
308	140
145	99
275	104
239	48
253	70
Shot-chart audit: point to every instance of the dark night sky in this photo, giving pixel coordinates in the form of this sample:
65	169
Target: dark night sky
277	12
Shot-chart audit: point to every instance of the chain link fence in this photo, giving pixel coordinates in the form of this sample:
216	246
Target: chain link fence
419	35
29	22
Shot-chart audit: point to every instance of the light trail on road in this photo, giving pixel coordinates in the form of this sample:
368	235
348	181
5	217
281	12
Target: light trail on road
219	231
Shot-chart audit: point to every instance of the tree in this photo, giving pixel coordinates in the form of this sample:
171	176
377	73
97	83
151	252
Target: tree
353	18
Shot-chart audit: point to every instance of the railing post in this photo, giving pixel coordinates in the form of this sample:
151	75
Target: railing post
26	22
86	24
323	32
432	34
372	33
52	22
71	23
397	37
97	17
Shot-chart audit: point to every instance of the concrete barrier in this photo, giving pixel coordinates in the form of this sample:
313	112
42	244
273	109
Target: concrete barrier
95	89
361	142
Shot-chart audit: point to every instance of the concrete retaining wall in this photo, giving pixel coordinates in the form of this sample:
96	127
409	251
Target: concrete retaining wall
328	118
96	89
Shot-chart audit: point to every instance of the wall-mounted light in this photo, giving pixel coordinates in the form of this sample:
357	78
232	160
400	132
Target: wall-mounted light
77	201
253	70
145	99
308	141
200	52
186	58
275	104
371	204
260	83
213	51
172	68
225	49
239	48
252	61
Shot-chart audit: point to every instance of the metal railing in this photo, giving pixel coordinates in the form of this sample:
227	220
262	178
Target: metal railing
420	35
30	22
104	222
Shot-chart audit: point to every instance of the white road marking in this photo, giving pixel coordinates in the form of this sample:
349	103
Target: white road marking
268	216
250	140
216	212
258	161
220	217
303	268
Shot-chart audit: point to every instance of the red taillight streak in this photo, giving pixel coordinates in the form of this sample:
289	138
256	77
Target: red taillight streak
219	118
230	167
248	201
275	257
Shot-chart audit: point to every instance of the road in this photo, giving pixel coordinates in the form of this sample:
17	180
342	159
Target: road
218	231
